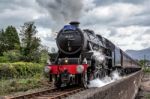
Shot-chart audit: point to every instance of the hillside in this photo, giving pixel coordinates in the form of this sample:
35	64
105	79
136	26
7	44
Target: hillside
139	54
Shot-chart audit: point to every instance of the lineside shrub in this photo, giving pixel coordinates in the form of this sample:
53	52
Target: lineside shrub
3	59
19	70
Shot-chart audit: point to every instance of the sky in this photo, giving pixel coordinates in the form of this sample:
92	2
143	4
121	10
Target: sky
125	22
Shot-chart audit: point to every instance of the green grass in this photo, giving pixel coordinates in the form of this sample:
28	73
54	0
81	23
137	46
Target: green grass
147	96
146	70
3	59
17	85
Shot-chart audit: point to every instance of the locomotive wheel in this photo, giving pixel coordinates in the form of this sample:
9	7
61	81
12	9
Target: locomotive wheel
91	76
57	82
96	74
103	73
100	73
57	85
120	71
85	80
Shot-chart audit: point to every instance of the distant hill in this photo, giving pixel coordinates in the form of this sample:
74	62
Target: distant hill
139	54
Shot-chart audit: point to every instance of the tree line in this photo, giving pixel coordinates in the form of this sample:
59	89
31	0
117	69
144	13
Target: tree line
25	44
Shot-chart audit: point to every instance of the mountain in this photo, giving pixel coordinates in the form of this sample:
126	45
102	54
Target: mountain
139	54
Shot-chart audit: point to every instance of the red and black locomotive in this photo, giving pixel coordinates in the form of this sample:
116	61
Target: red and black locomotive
83	56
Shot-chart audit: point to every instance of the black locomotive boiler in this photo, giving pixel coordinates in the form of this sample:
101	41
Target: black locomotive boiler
83	56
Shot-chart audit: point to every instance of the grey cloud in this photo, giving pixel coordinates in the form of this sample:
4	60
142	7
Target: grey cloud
45	22
94	20
14	4
123	35
113	32
147	31
122	44
49	38
7	8
108	2
62	11
15	21
139	38
145	44
140	20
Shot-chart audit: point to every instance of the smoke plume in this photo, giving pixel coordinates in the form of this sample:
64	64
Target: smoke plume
62	11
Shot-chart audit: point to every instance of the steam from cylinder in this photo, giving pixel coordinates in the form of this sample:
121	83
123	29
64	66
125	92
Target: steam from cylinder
98	56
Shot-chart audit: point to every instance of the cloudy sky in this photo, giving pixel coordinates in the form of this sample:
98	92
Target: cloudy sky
124	22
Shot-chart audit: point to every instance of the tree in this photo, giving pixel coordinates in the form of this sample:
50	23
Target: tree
12	38
2	42
29	42
9	40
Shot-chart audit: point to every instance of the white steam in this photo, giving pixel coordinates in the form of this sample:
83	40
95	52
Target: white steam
106	80
98	56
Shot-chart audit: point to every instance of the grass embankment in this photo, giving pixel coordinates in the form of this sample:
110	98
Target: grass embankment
146	69
20	76
17	85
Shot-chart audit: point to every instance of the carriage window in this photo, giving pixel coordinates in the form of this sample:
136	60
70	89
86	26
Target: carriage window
126	60
117	57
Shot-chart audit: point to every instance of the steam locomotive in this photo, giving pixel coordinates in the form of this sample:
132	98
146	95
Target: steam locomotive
83	56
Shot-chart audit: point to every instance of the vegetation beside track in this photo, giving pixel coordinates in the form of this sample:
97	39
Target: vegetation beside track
22	59
20	70
20	85
146	69
21	76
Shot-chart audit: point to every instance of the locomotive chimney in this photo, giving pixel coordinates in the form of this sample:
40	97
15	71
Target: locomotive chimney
75	23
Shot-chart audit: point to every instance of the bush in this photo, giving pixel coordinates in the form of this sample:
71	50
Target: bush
32	57
44	57
19	70
4	59
12	55
146	69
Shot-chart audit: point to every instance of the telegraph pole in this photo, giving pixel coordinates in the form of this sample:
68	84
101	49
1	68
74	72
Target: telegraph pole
144	60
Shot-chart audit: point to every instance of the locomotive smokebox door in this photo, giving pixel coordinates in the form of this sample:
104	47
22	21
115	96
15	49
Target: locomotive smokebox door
70	39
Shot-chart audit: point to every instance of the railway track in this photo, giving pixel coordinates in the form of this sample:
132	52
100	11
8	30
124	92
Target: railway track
49	94
125	88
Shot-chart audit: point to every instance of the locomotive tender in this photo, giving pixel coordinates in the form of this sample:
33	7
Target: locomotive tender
83	56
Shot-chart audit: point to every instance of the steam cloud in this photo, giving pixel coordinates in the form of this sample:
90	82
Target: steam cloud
106	80
62	11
